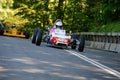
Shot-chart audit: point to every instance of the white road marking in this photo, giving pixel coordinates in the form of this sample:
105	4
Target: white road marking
109	70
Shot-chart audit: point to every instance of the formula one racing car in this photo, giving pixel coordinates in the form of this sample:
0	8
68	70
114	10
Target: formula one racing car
57	36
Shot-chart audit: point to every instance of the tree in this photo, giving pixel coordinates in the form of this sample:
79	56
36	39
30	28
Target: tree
77	15
60	12
35	11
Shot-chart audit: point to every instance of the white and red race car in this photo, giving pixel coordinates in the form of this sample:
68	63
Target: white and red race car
57	36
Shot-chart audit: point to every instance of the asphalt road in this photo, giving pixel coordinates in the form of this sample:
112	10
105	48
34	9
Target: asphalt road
22	60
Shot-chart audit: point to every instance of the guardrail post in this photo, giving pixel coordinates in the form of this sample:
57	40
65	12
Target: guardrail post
112	42
118	43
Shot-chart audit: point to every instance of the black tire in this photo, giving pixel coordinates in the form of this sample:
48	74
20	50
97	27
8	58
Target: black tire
1	30
82	44
39	38
27	34
34	36
73	44
44	38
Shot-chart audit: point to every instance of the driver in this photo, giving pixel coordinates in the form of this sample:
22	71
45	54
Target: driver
57	25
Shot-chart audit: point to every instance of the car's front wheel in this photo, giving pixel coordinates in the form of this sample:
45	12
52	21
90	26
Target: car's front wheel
34	35
39	37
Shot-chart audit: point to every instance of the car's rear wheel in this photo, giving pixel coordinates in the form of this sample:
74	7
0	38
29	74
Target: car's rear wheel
34	35
73	44
27	34
1	30
39	38
81	44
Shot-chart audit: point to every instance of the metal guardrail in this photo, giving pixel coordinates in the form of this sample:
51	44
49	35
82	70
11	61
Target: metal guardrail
104	41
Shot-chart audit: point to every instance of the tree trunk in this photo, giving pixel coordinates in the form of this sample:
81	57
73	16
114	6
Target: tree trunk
60	10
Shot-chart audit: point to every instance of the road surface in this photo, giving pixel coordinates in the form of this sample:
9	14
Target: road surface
22	60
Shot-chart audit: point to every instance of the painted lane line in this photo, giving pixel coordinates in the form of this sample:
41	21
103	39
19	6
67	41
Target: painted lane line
109	70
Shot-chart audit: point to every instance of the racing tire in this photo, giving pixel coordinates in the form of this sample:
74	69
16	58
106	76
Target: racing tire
34	36
27	34
73	44
1	30
39	38
81	44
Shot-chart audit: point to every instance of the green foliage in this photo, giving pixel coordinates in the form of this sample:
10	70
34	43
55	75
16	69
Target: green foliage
35	13
6	3
111	27
7	14
77	15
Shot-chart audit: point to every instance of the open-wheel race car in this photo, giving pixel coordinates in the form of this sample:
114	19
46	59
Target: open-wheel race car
13	31
57	37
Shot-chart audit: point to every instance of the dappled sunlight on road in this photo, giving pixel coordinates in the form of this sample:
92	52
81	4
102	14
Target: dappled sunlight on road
32	66
31	62
38	71
24	60
32	70
3	69
79	66
74	77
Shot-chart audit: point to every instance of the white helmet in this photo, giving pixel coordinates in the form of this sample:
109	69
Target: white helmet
58	23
